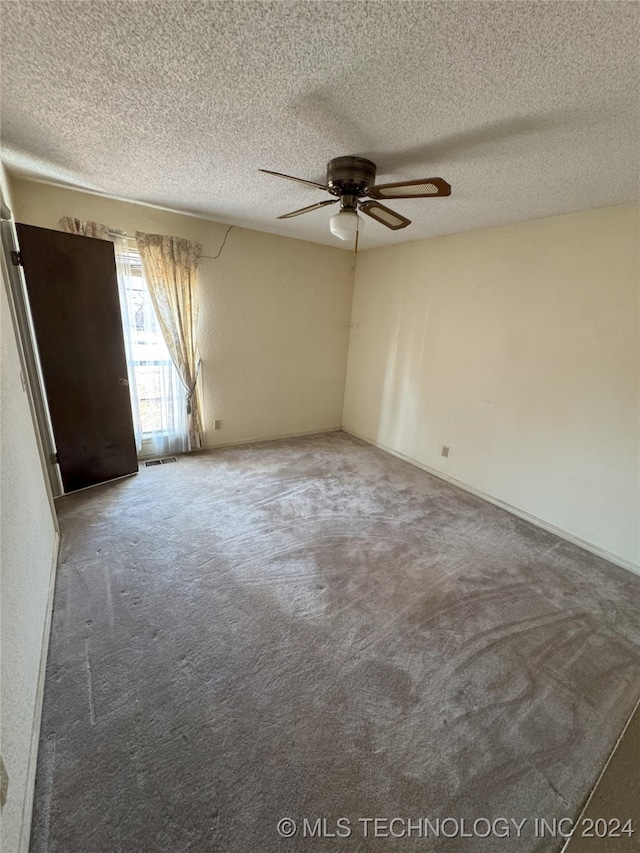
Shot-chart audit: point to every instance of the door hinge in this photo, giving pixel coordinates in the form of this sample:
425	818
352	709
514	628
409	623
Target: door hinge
16	259
54	458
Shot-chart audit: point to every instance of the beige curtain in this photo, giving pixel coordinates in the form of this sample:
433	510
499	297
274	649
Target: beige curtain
169	265
86	229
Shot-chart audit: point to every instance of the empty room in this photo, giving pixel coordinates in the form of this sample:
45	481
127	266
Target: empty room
320	426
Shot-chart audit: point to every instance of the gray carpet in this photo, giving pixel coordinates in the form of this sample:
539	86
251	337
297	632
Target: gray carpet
312	628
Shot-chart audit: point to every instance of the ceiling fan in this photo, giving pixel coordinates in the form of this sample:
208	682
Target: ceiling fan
352	181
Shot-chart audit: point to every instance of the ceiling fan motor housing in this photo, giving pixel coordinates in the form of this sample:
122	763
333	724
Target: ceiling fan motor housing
350	177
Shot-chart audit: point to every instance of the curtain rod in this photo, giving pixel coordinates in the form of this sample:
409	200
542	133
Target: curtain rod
114	232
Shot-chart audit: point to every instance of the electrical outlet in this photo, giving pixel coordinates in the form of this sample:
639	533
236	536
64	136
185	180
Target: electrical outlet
445	450
217	424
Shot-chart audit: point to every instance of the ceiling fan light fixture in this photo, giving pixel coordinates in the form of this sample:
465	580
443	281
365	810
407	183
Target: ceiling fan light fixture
345	224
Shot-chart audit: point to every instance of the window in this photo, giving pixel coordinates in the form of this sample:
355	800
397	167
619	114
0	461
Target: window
158	395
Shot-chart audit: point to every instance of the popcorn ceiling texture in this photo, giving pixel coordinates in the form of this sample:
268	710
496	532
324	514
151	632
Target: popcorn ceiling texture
528	109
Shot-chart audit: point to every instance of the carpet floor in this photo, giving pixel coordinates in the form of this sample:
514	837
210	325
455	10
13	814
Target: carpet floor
313	629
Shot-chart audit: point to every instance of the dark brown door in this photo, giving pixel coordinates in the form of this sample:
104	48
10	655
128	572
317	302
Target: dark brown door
73	295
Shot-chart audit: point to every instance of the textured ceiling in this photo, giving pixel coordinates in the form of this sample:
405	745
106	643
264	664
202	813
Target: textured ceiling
528	109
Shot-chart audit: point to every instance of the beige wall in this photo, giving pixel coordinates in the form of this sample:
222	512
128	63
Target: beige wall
517	347
274	314
27	553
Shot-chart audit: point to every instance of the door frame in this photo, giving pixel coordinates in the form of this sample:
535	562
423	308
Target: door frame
28	353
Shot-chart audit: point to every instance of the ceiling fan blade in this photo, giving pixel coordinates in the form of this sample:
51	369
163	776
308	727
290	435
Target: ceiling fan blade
307	209
384	215
421	188
291	178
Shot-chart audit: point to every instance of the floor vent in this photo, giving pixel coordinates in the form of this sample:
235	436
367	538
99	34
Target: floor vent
164	461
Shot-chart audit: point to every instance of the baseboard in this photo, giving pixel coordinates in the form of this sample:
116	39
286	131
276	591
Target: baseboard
566	847
514	510
27	808
258	439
